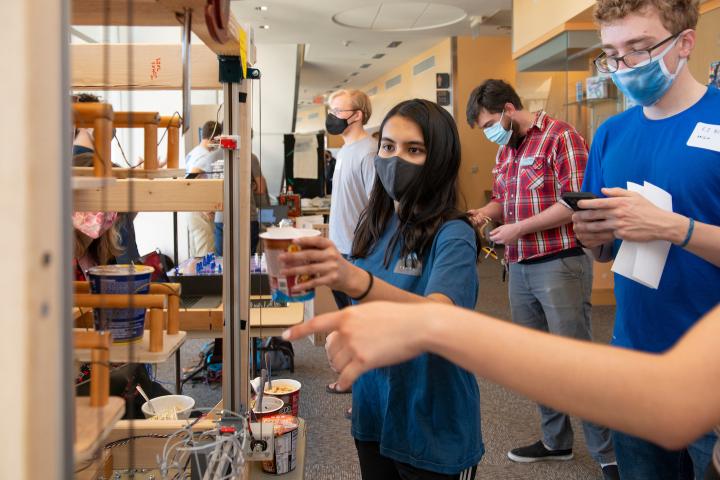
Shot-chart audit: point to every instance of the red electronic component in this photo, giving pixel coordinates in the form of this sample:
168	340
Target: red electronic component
227	429
229	142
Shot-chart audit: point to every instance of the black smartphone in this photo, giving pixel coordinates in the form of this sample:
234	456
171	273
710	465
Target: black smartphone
192	175
571	199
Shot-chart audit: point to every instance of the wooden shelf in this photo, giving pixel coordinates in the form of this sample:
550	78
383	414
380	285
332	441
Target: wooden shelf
153	13
208	323
158	195
84	172
90	182
93	425
257	473
121	353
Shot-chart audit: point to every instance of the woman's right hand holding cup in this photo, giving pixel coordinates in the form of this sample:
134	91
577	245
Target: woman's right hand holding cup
320	261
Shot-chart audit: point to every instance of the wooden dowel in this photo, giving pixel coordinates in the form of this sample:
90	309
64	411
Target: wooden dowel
102	165
156	330
84	114
173	315
173	147
91	340
99	377
151	138
155	288
169	121
135	119
165	288
91	300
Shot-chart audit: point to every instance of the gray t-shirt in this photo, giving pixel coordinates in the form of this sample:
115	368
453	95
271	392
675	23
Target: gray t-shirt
352	183
255	200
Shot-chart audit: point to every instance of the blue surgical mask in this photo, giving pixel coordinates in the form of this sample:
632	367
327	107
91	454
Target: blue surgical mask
647	84
497	133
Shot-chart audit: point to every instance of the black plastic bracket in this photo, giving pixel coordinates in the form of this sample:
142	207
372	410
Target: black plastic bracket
230	70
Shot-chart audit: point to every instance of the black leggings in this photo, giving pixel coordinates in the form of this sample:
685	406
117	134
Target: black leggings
374	466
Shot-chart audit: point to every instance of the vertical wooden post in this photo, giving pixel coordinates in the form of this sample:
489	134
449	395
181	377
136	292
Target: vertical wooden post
102	164
156	329
173	147
151	138
173	324
99	377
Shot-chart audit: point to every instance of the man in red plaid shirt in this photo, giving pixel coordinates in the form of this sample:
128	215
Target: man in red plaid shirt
550	274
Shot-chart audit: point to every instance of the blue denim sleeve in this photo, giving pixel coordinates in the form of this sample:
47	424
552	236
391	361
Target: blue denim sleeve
454	267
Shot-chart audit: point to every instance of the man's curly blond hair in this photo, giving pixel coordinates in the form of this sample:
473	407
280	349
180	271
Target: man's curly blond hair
676	15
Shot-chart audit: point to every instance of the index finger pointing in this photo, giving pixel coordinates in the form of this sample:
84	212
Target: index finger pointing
322	323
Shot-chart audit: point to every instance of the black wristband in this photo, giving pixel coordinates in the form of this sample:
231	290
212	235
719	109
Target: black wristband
367	291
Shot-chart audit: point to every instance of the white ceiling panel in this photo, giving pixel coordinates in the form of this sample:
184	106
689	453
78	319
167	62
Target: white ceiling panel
334	51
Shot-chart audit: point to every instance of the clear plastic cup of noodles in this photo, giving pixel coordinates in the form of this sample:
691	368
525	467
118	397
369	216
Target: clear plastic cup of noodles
276	242
286	435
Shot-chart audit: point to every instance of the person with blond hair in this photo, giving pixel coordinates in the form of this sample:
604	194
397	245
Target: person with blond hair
669	140
353	177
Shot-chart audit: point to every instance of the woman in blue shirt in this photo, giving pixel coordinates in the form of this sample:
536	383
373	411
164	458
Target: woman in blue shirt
419	419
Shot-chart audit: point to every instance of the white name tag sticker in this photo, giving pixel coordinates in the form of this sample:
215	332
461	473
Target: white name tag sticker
527	161
705	136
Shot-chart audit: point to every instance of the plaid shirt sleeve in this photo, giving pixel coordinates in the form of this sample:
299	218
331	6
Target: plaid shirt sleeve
498	172
571	156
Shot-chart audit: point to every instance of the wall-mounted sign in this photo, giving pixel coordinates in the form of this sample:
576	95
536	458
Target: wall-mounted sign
443	98
442	80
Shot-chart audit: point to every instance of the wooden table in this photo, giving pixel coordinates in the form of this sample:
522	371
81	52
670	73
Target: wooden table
264	322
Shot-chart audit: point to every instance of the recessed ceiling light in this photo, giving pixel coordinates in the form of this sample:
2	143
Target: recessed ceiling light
365	65
378	55
264	27
354	74
261	8
394	44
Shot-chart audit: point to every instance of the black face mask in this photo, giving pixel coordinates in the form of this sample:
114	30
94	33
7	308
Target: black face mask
396	175
335	125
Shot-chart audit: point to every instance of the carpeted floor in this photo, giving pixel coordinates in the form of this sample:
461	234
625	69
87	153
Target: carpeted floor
508	420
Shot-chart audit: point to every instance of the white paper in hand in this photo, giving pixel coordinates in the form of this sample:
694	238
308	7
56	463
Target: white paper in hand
645	262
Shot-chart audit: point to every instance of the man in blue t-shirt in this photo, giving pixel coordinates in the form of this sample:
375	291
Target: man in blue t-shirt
670	140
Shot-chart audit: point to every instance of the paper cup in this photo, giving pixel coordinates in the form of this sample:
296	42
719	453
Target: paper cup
286	432
288	391
125	324
270	406
278	241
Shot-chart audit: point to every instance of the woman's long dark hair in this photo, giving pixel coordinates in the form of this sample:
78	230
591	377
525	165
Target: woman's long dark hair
431	198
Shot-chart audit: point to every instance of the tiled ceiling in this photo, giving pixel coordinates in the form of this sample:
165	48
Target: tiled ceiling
338	55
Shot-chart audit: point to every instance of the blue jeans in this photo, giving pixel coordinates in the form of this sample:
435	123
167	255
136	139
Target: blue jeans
554	297
642	460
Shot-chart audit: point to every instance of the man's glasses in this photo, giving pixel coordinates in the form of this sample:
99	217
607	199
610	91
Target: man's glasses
637	58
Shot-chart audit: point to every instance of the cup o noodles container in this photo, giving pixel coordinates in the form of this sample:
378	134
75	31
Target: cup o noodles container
270	406
278	241
288	391
286	433
125	324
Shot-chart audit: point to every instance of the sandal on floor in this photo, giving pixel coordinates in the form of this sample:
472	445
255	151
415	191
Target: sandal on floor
333	388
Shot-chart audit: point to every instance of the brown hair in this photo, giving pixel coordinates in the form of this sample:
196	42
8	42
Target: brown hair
675	15
359	101
103	249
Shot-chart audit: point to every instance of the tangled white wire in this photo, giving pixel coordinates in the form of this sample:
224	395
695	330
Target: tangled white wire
223	452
